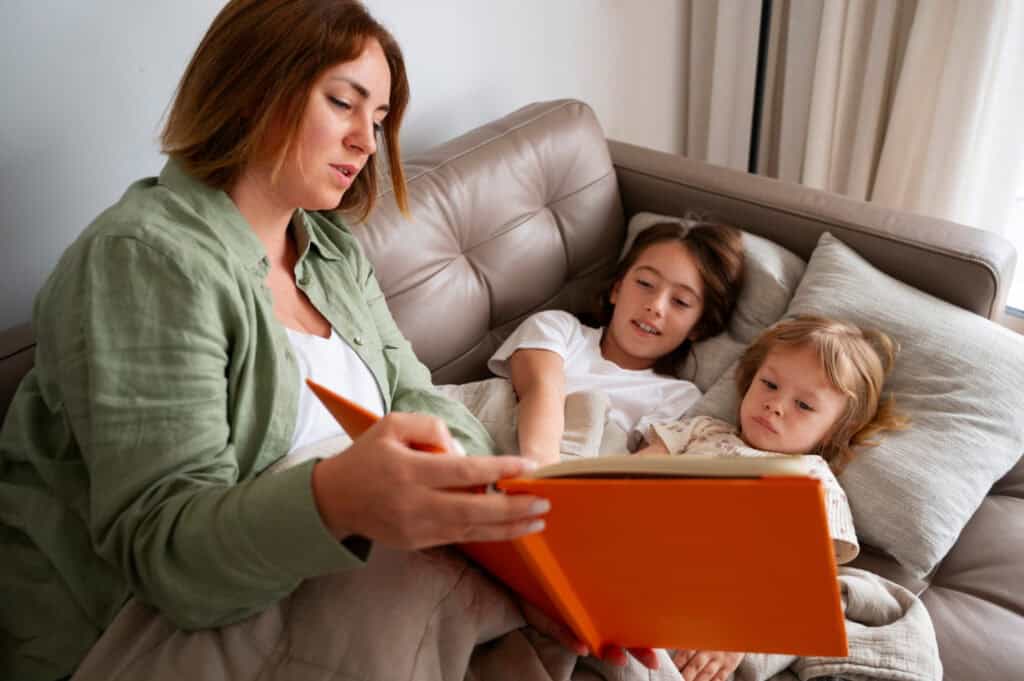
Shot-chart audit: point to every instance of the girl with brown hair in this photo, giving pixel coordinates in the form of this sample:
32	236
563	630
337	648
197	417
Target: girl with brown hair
676	284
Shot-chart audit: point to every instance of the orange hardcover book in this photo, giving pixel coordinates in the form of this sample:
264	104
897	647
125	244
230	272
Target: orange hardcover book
689	552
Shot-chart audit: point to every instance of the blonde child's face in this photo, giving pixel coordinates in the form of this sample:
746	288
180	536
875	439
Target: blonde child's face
657	303
790	406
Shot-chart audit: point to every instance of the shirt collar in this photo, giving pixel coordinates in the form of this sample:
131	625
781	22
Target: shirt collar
309	231
232	228
219	210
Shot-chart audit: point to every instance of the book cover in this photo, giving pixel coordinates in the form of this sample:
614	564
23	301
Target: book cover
671	552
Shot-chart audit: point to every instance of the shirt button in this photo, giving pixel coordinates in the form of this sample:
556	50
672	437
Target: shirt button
358	340
304	279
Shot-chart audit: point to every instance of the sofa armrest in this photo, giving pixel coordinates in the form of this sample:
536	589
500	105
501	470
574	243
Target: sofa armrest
968	267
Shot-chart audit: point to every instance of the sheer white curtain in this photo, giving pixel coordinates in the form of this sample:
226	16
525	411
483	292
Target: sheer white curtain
909	104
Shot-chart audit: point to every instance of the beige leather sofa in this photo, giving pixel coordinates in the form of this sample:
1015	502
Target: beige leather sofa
528	211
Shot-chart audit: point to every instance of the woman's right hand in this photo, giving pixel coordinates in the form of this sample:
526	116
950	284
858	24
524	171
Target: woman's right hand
383	489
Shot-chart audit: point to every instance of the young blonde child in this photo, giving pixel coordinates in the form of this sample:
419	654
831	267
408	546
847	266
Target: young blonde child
677	284
811	387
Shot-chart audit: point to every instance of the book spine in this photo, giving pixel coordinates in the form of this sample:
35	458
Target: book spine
535	551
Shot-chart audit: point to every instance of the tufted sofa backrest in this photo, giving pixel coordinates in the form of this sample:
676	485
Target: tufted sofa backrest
518	215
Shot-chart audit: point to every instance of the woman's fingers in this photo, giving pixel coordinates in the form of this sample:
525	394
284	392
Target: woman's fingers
461	517
460	472
645	656
614	655
382	489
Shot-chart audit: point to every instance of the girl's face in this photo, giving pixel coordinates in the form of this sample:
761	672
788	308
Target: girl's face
657	303
790	406
338	131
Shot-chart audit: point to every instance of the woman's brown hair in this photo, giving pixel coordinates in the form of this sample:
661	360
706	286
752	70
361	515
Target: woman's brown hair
856	362
718	249
252	74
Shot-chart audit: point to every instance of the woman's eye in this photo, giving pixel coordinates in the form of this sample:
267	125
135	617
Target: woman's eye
803	405
340	103
768	384
680	302
642	283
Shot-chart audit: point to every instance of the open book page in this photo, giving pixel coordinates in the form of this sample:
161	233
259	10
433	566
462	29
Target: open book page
694	466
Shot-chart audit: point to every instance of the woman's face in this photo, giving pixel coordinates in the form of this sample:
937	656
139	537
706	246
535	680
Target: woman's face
338	132
657	303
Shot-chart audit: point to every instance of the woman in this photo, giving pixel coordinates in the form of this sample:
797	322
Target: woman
166	380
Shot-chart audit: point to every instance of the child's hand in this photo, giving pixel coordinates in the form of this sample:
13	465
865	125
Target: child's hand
706	665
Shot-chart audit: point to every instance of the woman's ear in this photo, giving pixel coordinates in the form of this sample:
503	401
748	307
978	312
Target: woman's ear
613	295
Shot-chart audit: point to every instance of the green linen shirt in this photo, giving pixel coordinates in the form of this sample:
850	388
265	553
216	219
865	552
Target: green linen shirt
163	385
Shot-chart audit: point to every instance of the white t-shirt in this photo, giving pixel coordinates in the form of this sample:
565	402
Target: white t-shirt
331	363
638	398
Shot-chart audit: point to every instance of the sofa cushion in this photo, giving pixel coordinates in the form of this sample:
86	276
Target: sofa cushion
770	278
975	597
508	219
959	377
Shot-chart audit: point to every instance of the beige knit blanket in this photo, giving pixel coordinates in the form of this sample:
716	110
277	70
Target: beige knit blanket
430	616
433	616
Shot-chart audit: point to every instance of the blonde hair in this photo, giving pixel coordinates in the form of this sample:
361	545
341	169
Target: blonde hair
856	362
253	73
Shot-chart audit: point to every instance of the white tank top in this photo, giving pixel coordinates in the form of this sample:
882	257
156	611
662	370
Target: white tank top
332	363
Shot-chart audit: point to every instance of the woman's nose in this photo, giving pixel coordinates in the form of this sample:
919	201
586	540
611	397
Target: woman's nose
362	137
773	406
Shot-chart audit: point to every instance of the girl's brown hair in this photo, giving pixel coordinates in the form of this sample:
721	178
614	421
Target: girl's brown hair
253	72
718	249
856	362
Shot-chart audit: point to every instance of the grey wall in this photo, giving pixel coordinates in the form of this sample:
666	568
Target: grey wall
85	84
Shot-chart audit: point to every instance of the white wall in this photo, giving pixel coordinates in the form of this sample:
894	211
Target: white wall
85	84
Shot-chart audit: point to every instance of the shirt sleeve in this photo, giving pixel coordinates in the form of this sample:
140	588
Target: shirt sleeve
675	435
412	388
673	405
143	376
553	330
837	508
